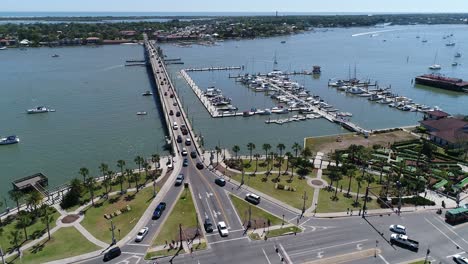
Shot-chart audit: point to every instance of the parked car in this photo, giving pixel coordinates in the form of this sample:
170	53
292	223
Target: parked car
188	142
159	210
112	253
460	260
399	229
179	180
184	152
141	234
171	112
208	225
179	139
220	181
193	154
200	165
177	114
252	198
222	229
185	164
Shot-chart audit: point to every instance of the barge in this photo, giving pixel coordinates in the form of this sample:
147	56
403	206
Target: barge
442	82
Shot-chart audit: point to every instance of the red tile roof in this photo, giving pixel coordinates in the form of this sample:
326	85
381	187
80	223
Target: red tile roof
438	113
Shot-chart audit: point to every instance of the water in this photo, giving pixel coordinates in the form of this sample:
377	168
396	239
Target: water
336	51
96	99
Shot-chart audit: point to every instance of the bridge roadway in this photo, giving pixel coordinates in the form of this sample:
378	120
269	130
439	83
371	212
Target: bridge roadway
322	239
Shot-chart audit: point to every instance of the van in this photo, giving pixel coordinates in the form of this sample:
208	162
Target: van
175	126
252	198
112	253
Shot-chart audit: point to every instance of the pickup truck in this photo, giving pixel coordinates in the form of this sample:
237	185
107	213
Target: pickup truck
404	241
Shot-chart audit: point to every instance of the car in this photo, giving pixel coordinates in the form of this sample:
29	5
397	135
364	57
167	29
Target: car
171	112
112	254
184	152
200	165
460	260
175	126
220	181
188	142
174	104
159	210
177	114
141	234
222	229
179	139
165	93
193	154
252	198
179	180
208	225
399	229
185	164
172	96
184	131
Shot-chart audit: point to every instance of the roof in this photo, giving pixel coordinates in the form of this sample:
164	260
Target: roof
437	113
458	210
93	38
445	123
462	184
440	184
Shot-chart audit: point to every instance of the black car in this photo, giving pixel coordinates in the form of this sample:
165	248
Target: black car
112	253
177	114
193	154
179	139
159	210
174	104
208	225
171	112
200	166
220	181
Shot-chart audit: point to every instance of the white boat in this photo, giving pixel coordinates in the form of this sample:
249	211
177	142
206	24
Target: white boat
9	140
147	93
263	112
279	110
39	109
142	113
355	90
386	101
365	95
450	44
435	67
454	63
3	48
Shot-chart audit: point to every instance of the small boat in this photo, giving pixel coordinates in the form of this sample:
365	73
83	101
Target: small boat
279	110
55	56
355	90
142	113
40	109
454	63
424	40
435	67
263	112
248	113
458	55
365	95
450	44
147	93
3	48
284	41
9	140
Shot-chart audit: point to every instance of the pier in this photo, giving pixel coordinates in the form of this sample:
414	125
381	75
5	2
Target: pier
228	68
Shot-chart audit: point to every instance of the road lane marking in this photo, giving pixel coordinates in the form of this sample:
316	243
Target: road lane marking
264	253
227	240
359	246
461	253
199	196
303	223
442	232
133	253
285	254
383	259
209	209
444	224
334	246
320	254
140	245
345	258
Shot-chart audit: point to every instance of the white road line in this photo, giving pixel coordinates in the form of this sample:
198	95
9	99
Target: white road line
264	253
452	231
140	245
285	254
303	223
134	253
237	230
199	196
227	240
442	232
334	246
383	259
455	254
209	209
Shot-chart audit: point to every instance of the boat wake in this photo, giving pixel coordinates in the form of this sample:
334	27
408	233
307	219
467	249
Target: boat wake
113	67
375	32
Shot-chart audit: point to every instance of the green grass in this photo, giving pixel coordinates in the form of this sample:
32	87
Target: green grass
421	262
282	231
258	216
97	225
63	244
184	213
326	205
162	253
294	199
354	185
249	166
198	247
34	231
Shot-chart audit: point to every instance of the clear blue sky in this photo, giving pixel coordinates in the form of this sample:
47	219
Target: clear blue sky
237	5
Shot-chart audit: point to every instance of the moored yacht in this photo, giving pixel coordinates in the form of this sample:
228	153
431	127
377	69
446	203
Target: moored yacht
39	109
147	93
9	140
435	67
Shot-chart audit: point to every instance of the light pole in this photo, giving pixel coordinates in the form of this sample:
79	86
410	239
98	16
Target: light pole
398	184
427	255
112	228
304	198
376	244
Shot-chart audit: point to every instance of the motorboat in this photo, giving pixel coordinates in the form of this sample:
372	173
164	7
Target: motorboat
147	93
212	92
458	55
3	48
263	112
450	44
9	140
279	110
39	109
375	97
355	90
55	56
435	67
142	113
385	101
248	113
365	95
454	63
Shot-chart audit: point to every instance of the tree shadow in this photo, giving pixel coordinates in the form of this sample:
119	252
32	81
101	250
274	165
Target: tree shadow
38	248
130	197
114	200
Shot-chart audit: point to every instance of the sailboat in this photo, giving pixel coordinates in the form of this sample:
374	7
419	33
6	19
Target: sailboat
435	66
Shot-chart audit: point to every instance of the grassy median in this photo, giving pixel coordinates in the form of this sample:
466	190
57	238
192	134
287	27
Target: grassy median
258	216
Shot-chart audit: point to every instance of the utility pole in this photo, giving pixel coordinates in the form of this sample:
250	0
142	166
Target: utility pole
249	224
304	198
365	203
113	234
398	184
242	181
3	257
376	244
427	255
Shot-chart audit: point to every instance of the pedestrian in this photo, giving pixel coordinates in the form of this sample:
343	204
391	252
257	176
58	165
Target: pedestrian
351	211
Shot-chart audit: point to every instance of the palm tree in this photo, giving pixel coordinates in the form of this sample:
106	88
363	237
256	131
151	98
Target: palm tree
336	156
353	149
236	150
47	219
16	238
273	157
306	153
218	151
121	165
16	195
107	182
120	180
296	147
91	184
358	180
24	220
129	173
103	168
351	170
84	172
266	147
257	156
146	168
281	147
155	158
136	179
250	147
280	161
289	156
335	176
33	200
139	160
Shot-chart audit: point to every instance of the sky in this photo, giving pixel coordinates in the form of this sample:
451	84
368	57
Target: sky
236	6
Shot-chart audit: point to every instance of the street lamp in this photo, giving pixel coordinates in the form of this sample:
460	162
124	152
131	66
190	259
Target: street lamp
398	184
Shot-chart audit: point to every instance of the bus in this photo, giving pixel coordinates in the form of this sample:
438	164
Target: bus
456	216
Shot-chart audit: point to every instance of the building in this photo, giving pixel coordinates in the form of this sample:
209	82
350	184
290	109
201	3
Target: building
128	33
93	40
435	115
446	131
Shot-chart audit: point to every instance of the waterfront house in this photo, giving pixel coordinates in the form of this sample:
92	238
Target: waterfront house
93	40
435	115
447	132
128	33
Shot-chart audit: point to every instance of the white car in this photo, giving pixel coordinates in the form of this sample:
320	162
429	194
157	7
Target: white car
460	260
222	228
141	234
399	229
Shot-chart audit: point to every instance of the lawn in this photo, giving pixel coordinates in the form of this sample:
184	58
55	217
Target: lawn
163	253
326	205
249	166
63	244
258	216
34	231
97	225
184	213
294	199
354	185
